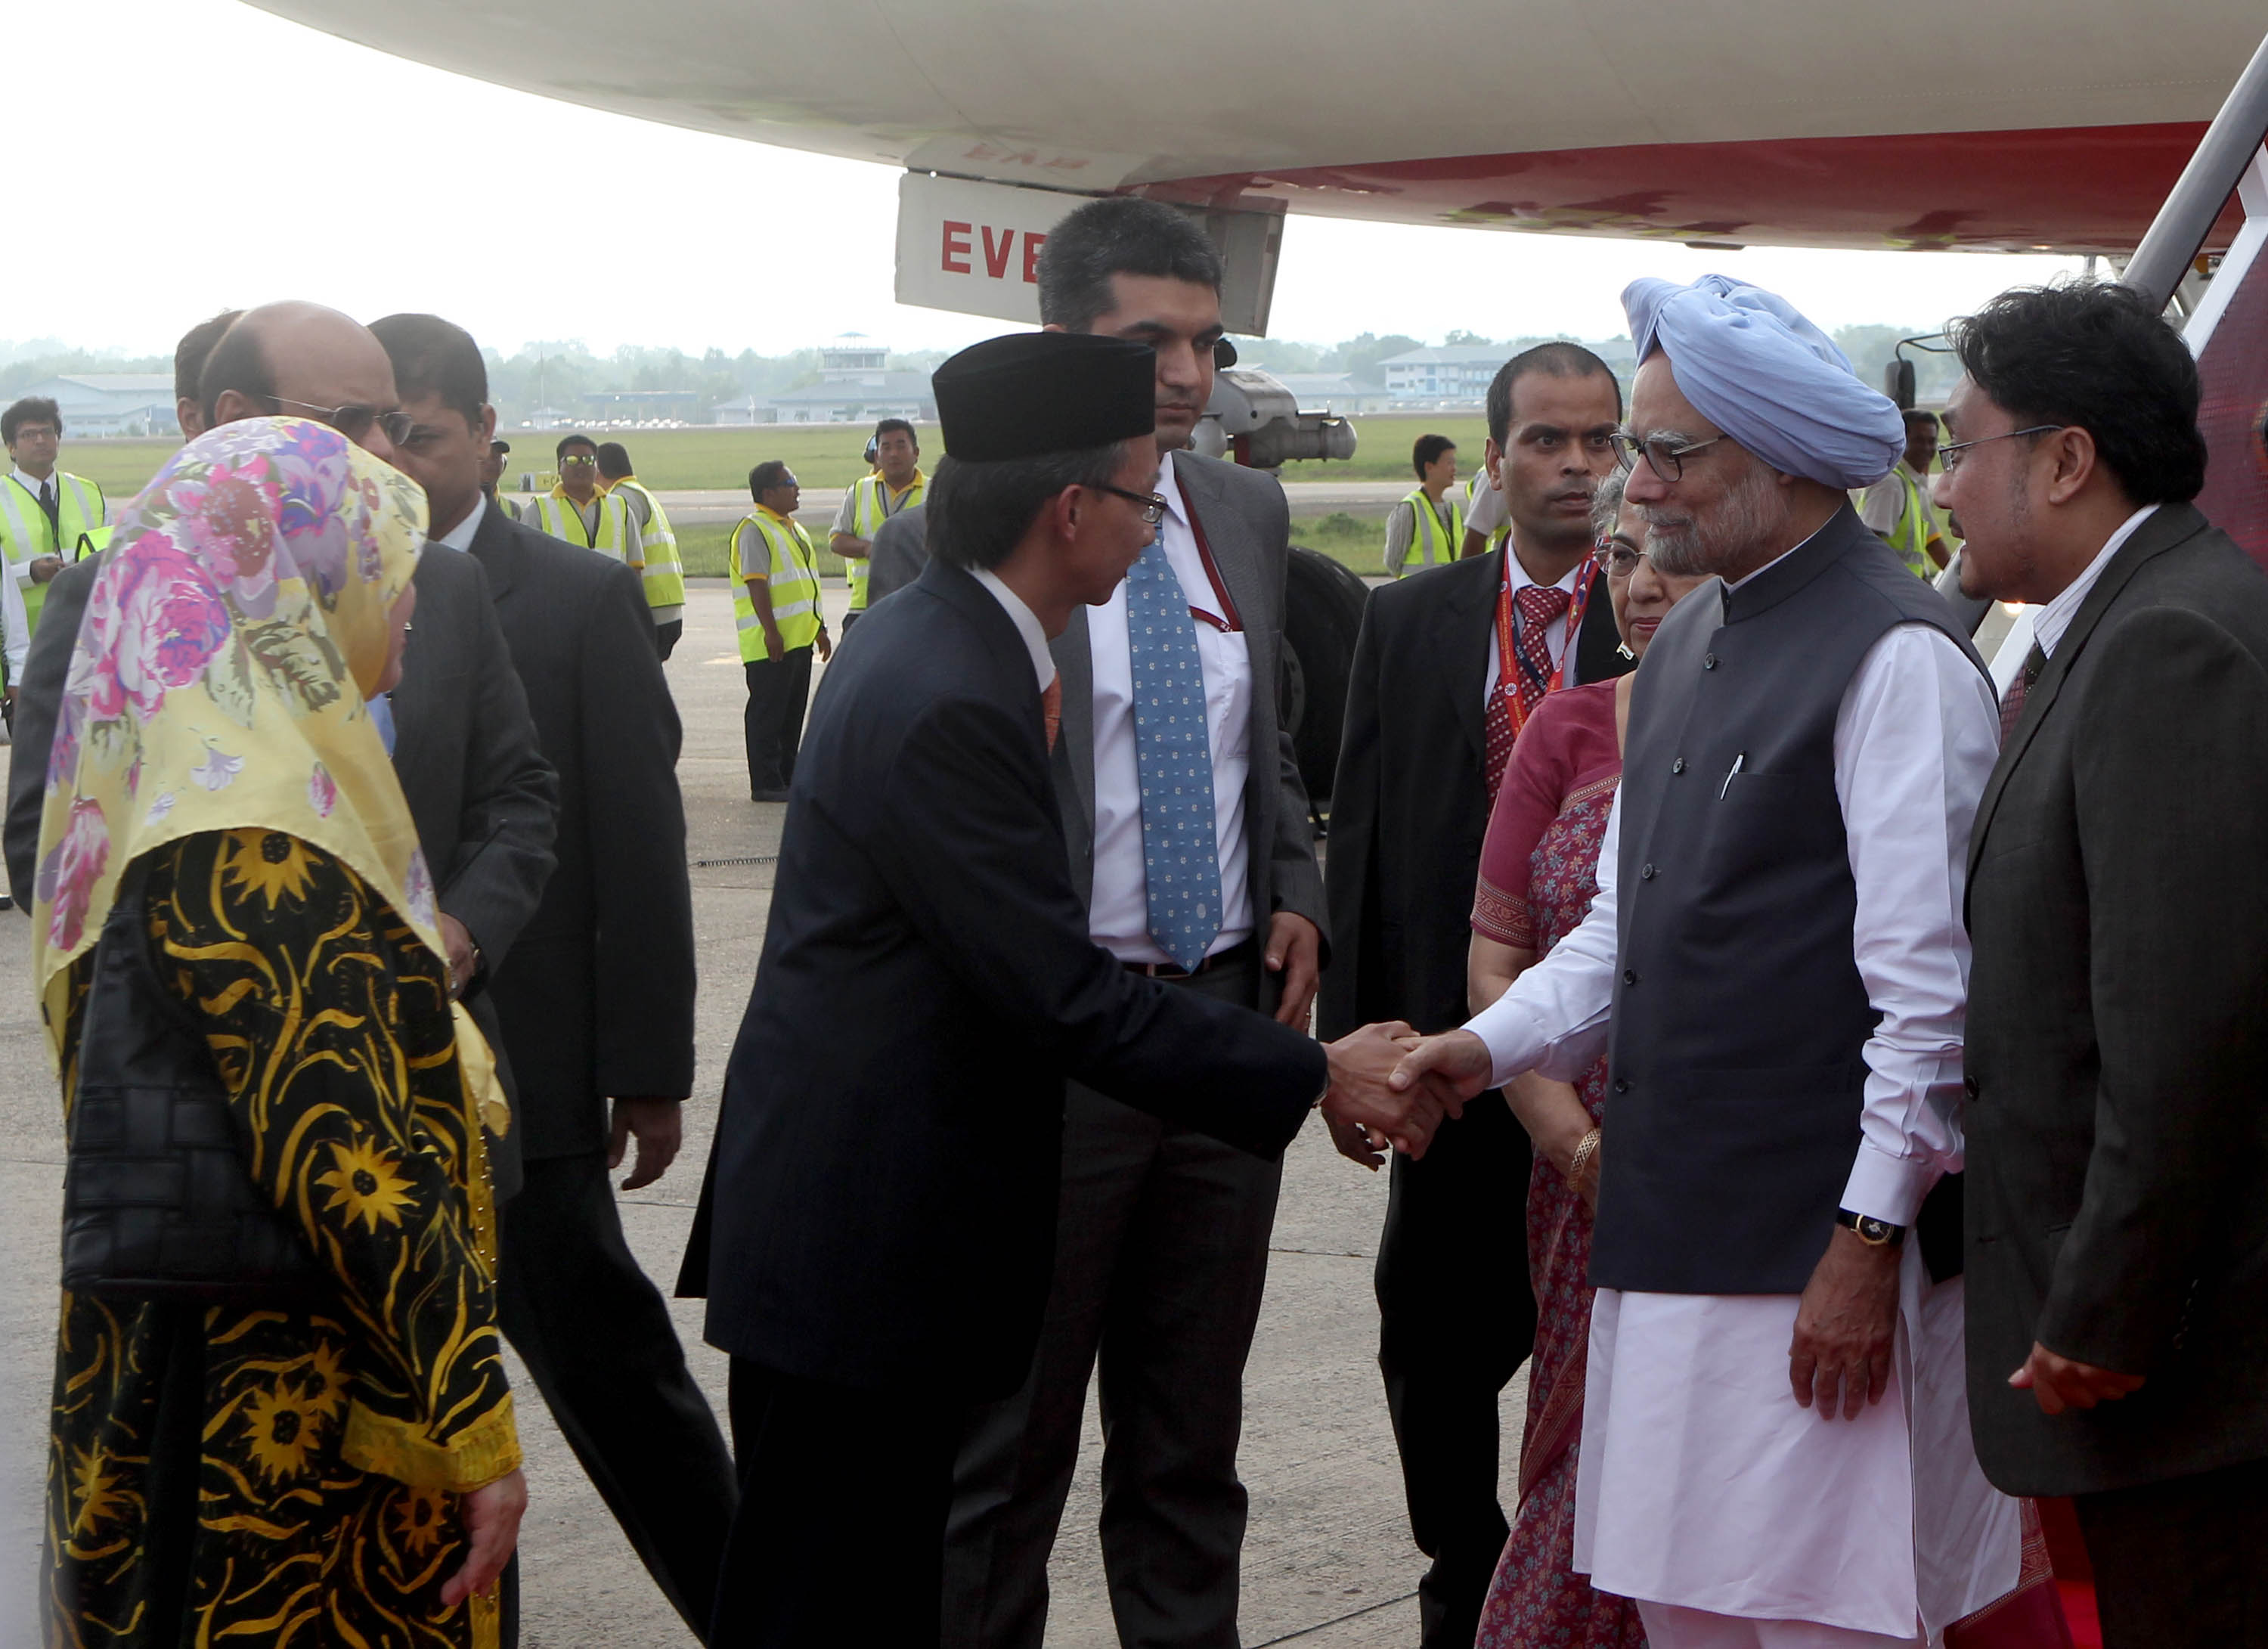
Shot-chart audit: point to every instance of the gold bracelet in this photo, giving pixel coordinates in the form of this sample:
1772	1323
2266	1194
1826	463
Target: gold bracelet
1584	1153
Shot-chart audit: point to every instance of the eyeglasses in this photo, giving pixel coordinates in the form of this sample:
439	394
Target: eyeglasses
578	463
1153	507
1664	456
1948	458
1619	560
354	421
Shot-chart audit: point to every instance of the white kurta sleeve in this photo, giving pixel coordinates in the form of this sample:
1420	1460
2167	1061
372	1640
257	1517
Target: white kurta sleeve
1914	739
1554	1018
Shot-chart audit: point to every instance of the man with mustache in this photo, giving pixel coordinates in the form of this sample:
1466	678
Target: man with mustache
1189	840
1774	1449
1433	703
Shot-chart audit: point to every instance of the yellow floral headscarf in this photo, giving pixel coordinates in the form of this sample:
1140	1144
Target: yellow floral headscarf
220	679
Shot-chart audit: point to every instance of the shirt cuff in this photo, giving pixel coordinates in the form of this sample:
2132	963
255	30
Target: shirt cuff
1514	1037
1888	1188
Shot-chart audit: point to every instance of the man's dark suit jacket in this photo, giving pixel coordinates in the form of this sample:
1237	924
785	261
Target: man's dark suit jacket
479	793
2117	1061
597	999
1410	805
1246	524
881	1205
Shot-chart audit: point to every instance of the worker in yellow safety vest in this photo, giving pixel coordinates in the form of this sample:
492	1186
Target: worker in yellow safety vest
581	512
775	573
1896	508
44	511
1488	523
664	572
1426	528
897	484
492	478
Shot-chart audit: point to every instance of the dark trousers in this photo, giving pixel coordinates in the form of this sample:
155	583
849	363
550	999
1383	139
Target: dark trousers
1457	1320
666	636
842	1515
597	1337
778	689
2183	1564
852	618
1161	1254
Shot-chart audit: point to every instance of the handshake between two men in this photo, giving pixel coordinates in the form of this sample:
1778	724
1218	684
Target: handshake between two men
1392	1088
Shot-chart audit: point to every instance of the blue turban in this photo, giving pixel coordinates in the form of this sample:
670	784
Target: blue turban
1753	366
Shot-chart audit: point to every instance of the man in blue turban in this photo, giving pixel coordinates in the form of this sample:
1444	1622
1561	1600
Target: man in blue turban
1773	1450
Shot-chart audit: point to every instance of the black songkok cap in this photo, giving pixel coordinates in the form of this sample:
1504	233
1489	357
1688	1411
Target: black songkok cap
1033	393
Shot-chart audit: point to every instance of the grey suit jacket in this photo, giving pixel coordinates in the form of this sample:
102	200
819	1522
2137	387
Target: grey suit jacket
1247	527
2117	1039
900	550
34	730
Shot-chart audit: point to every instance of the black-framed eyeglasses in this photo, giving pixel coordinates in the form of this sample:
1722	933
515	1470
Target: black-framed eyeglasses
353	420
1153	507
1948	458
1664	456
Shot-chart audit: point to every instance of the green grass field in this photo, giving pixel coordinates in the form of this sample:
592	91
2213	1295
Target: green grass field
1354	543
822	455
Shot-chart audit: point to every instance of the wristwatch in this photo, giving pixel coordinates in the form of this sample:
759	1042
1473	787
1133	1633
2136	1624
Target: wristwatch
1875	1234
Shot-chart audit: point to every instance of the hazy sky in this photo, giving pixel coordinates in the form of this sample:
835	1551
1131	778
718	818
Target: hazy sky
301	166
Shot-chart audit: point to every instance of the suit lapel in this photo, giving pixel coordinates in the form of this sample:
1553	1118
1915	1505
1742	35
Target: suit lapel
2173	525
1462	623
1073	760
493	548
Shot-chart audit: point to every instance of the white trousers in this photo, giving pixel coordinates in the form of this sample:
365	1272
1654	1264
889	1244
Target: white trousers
1673	1626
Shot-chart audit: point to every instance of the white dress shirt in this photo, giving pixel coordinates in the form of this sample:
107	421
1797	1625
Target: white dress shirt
1555	638
1026	622
2051	620
1118	914
1914	739
460	536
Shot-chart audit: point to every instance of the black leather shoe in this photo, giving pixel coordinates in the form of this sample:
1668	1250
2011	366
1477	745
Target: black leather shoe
768	795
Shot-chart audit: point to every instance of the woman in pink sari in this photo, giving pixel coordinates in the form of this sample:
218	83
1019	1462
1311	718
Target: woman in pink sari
1537	879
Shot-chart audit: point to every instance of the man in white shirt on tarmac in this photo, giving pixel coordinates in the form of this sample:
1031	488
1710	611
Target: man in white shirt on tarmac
1775	1449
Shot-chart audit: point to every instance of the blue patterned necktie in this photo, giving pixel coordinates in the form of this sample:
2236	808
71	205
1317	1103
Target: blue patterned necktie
1180	856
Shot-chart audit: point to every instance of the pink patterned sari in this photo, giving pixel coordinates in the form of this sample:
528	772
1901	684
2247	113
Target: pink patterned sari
1538	875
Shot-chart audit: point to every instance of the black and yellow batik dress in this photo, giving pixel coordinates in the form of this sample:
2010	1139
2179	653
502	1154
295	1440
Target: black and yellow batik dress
291	1475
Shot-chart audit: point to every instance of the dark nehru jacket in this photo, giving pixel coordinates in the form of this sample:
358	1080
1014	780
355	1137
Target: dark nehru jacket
1736	1069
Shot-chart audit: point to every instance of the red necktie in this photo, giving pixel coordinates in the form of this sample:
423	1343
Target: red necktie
2012	702
1528	674
1051	711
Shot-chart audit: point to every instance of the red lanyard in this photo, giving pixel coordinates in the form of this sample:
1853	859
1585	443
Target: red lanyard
1509	663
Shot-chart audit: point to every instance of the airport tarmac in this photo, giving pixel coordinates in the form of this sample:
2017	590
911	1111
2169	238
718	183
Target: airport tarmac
1328	1561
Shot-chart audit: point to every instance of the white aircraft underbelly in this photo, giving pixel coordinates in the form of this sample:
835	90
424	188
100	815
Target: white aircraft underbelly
1939	123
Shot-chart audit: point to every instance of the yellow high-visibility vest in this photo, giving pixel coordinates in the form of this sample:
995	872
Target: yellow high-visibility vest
24	534
1434	543
555	514
872	503
791	571
664	568
1910	537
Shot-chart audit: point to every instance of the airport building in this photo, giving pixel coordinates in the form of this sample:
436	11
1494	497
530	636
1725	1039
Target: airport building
111	403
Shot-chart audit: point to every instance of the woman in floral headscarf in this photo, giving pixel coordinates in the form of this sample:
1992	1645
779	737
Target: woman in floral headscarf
344	1472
